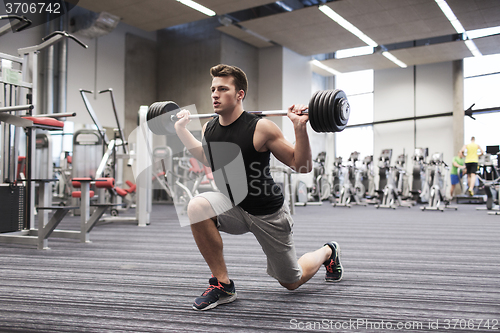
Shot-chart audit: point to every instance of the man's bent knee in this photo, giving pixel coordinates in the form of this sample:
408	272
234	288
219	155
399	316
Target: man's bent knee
291	286
199	209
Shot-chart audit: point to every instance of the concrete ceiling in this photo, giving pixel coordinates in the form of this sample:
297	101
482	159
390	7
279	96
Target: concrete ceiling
308	31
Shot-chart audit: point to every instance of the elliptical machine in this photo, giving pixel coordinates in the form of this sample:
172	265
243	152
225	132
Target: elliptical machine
403	180
390	196
349	194
369	177
321	189
337	177
419	187
489	179
439	174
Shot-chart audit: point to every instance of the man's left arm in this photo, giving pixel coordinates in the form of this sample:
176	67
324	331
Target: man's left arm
298	157
482	151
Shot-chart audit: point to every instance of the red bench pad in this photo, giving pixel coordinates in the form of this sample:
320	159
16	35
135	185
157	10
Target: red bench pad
105	182
78	194
46	121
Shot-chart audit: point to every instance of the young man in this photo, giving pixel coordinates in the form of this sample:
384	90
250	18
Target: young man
471	160
262	212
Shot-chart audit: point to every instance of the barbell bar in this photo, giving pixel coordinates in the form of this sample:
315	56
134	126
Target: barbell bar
328	111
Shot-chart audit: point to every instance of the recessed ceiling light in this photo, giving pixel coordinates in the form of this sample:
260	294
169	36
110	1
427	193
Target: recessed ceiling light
198	7
347	25
395	60
354	52
317	63
445	8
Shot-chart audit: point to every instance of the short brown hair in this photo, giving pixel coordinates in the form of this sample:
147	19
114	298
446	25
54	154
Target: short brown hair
239	77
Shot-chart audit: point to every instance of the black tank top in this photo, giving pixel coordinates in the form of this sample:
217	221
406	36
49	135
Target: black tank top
264	195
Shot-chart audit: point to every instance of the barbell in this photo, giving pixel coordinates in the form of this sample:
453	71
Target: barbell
328	111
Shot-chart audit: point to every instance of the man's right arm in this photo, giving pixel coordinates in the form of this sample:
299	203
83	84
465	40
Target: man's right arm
187	138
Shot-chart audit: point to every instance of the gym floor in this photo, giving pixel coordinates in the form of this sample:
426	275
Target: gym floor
404	267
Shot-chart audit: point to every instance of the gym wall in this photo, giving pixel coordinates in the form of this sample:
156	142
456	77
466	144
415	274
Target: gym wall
414	91
99	67
278	78
141	68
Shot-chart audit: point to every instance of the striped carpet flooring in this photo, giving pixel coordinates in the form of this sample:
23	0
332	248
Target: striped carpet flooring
418	271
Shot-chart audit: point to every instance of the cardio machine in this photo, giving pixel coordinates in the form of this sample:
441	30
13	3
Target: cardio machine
439	175
390	197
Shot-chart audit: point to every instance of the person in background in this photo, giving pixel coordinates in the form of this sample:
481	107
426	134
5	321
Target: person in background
457	167
471	160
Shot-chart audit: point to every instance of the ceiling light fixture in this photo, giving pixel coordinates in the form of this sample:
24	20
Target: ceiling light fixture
395	60
478	33
473	48
284	6
198	7
445	8
248	31
317	63
347	25
354	52
358	33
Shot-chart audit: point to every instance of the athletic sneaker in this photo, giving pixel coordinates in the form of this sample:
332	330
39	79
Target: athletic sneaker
217	293
334	269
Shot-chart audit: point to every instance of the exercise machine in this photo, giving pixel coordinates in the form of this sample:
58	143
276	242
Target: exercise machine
321	189
337	178
369	178
390	197
439	176
419	187
110	165
489	179
20	23
351	194
19	114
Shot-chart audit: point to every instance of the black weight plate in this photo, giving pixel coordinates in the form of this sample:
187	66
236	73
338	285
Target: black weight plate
347	111
156	121
150	110
318	113
344	117
169	110
325	123
151	115
153	122
340	122
332	111
312	111
326	110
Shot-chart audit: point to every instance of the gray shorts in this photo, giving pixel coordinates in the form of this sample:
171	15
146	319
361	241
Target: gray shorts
273	232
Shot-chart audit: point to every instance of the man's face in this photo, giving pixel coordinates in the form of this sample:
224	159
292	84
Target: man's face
224	94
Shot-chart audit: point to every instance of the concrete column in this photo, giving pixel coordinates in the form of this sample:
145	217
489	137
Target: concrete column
458	109
458	105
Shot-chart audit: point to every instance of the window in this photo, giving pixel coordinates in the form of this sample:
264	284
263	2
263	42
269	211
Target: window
358	87
481	85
